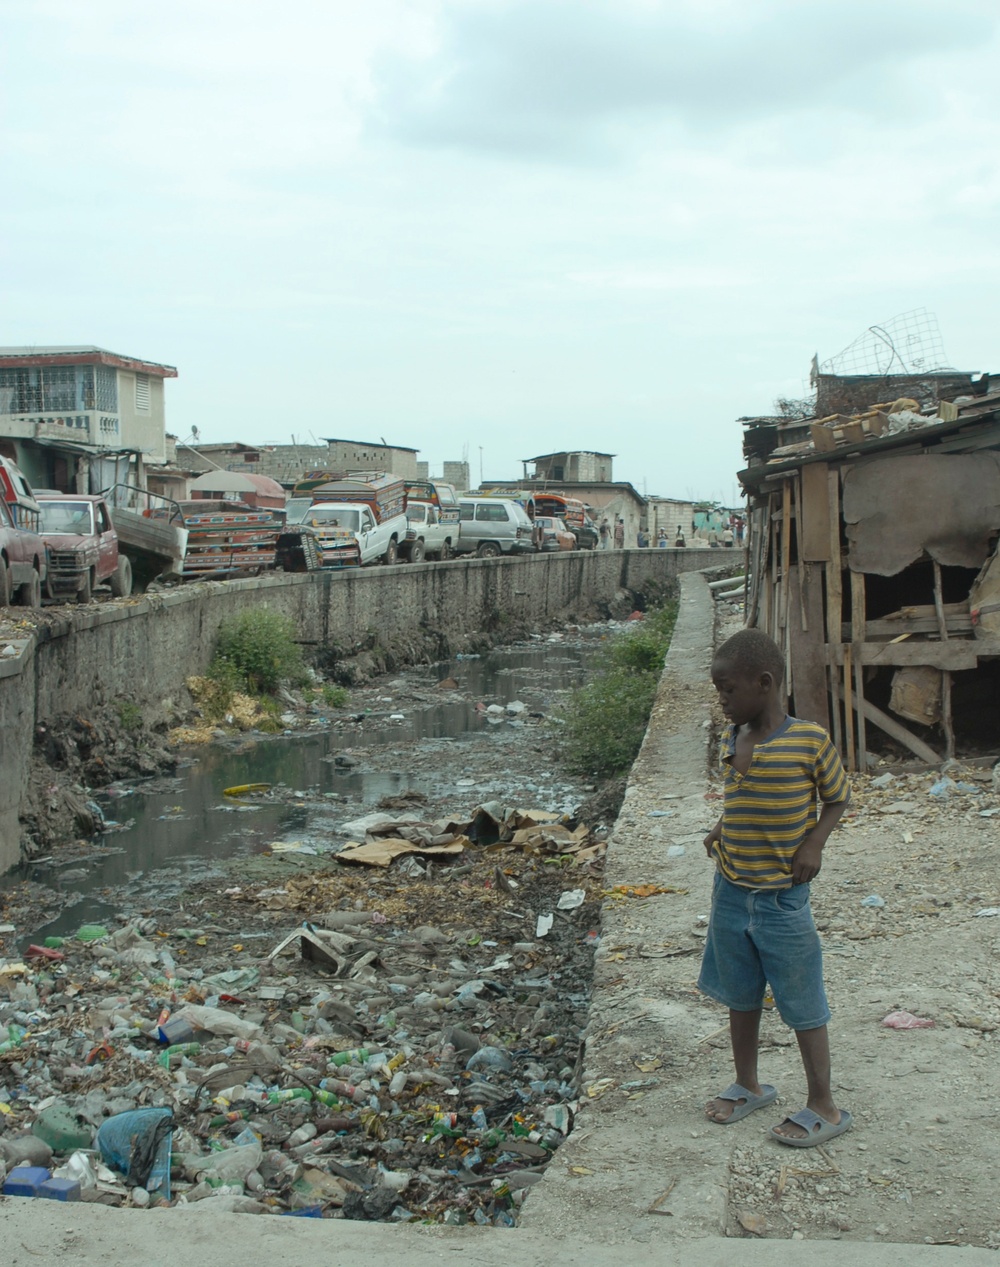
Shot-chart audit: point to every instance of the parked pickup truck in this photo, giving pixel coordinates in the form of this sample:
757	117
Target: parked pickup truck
22	563
82	547
427	537
359	520
22	550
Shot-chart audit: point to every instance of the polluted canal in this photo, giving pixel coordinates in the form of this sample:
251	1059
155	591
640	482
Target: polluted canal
340	972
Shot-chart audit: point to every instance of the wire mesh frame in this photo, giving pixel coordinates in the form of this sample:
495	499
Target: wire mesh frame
909	343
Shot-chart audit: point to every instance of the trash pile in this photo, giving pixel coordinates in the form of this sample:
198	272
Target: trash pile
889	418
394	1033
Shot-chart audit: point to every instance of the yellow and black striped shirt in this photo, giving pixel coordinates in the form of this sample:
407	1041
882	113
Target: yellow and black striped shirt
769	811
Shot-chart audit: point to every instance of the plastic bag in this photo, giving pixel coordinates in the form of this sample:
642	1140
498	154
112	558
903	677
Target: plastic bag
906	1020
138	1144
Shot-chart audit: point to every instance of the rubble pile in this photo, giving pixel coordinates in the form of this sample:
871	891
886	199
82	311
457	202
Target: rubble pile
394	1033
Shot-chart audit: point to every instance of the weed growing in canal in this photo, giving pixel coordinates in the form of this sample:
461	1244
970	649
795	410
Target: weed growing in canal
605	720
257	651
129	714
332	696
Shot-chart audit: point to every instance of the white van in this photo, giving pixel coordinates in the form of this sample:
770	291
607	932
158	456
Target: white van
492	526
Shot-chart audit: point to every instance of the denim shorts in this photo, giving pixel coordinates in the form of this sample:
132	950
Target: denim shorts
758	937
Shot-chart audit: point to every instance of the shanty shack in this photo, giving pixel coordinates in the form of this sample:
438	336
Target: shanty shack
872	562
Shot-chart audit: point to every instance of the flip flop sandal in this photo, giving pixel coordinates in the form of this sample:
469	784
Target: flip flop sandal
736	1093
809	1121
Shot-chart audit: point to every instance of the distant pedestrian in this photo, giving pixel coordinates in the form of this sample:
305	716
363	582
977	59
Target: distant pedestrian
679	542
661	540
641	540
727	536
713	539
620	535
604	533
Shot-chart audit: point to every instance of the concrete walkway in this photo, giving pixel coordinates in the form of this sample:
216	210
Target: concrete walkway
43	1234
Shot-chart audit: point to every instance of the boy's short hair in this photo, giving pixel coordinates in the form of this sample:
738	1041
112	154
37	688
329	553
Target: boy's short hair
752	652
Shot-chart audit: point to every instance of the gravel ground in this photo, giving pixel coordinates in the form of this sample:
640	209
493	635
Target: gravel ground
920	1163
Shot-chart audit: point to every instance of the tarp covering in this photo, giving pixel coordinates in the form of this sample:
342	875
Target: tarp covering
899	508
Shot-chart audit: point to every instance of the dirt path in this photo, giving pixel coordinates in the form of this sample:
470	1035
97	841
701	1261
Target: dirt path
921	1163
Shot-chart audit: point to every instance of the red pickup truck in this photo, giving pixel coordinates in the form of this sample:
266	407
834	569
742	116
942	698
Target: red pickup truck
83	547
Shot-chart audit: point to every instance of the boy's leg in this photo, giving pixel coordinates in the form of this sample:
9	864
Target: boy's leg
814	1047
744	1030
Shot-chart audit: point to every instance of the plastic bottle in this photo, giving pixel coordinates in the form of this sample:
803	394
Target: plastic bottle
15	1036
289	1093
179	1049
354	1056
345	1089
328	1098
233	1164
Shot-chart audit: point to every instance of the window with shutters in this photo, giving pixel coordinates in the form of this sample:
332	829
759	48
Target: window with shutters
142	393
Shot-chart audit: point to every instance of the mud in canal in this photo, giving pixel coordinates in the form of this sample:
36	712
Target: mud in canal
413	1052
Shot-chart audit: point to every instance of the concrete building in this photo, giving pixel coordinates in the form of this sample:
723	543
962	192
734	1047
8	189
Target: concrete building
574	467
287	463
457	473
80	419
669	514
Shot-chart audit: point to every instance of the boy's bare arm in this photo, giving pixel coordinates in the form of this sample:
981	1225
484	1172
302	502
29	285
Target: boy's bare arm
714	835
808	857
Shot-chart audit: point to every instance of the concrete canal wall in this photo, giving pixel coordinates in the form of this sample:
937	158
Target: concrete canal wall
143	650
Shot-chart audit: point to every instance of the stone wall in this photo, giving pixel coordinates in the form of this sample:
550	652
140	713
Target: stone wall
143	651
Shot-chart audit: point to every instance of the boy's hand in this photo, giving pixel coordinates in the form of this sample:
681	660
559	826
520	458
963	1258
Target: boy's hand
807	861
713	836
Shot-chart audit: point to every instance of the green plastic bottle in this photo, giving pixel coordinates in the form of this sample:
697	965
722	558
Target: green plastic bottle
178	1049
290	1093
91	932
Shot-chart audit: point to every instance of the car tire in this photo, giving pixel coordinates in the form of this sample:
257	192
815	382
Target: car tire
446	552
121	578
391	553
417	552
86	591
30	593
4	585
488	550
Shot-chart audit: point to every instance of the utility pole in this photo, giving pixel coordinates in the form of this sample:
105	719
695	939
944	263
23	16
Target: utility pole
480	466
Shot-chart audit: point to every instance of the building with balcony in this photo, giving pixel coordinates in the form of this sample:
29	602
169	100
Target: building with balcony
80	419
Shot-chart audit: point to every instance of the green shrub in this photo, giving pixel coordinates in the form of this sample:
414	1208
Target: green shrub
334	696
605	721
256	651
129	714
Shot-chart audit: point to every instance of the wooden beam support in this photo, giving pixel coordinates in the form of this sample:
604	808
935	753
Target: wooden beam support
857	639
956	654
946	718
899	732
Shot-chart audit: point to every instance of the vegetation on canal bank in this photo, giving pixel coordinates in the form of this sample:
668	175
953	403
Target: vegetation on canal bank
606	719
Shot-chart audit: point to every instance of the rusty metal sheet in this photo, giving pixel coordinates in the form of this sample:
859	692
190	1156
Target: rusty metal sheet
898	508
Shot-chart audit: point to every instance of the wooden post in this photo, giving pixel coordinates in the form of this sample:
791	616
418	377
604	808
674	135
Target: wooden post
946	717
848	707
834	600
786	589
857	639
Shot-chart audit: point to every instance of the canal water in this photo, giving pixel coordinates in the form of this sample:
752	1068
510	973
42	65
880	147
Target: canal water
169	833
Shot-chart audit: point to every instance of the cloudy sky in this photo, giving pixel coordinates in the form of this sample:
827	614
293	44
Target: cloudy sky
498	227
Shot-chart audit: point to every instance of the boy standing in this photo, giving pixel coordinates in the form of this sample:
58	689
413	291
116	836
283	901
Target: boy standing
767	847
